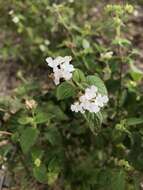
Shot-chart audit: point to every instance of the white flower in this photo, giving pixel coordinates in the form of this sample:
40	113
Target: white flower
83	98
91	92
58	60
136	13
67	67
105	99
86	105
91	101
51	62
3	167
67	70
94	88
15	19
57	76
76	107
99	100
94	108
10	12
61	67
66	75
67	58
71	1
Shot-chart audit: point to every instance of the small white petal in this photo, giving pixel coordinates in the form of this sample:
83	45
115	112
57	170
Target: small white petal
53	63
67	75
99	100
58	60
67	67
89	94
15	19
86	105
105	99
67	58
49	60
94	88
75	107
83	98
57	76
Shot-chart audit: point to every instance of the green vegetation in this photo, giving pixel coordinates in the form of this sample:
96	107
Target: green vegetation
44	144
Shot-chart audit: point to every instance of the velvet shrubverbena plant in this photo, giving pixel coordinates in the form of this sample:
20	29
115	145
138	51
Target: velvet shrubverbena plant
64	133
92	100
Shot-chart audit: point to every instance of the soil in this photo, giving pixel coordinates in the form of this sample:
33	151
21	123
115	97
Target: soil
8	79
136	33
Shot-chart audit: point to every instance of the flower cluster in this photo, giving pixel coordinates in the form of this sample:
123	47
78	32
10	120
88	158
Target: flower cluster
91	101
61	68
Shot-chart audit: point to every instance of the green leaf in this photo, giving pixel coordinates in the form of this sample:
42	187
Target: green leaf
78	76
45	112
94	121
28	138
36	153
40	173
53	171
27	88
134	121
52	177
58	115
85	44
136	183
118	180
121	42
65	90
24	120
12	104
95	80
42	117
53	136
135	72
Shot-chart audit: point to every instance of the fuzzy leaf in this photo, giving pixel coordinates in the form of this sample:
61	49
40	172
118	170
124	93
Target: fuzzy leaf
78	76
95	80
28	138
134	121
85	44
136	73
65	90
40	173
118	181
43	117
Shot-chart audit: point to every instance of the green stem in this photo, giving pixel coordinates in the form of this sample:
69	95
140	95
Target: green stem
119	50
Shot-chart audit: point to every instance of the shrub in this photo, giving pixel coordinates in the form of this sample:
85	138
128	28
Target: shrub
68	136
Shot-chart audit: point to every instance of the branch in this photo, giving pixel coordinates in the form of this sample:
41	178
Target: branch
5	133
4	142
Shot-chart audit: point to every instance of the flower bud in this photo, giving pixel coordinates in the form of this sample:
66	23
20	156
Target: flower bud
129	8
37	162
117	21
109	8
30	104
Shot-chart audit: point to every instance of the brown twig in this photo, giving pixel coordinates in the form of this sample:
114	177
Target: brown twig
5	133
4	142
